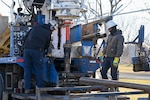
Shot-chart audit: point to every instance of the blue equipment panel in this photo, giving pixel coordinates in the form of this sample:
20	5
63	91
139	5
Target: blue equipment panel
41	19
141	64
141	34
75	34
85	65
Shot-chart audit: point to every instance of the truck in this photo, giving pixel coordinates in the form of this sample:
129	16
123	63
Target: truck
72	54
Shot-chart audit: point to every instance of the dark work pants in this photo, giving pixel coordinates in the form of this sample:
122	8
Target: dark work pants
33	61
106	65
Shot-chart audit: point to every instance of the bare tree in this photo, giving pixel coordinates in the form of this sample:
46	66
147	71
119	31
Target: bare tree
99	10
147	36
114	5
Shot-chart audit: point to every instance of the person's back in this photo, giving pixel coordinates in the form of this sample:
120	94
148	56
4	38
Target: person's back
36	42
38	38
110	56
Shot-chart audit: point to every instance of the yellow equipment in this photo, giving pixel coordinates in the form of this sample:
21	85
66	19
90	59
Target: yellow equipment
4	42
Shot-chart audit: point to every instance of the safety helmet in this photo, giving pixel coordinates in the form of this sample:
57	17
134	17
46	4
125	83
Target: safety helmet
110	24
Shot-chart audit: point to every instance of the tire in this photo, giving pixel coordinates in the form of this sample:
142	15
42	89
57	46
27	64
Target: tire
1	86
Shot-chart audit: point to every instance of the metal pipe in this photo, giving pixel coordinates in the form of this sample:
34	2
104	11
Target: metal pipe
75	88
113	83
91	36
67	34
67	47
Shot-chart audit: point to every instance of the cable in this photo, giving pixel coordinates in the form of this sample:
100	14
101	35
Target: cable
5	4
132	12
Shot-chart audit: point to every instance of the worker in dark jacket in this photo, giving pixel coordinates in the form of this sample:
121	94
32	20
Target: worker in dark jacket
36	43
110	56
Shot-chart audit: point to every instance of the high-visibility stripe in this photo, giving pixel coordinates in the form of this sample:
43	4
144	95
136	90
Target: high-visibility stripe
20	60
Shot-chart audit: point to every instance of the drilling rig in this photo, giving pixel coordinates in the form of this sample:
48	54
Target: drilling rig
72	52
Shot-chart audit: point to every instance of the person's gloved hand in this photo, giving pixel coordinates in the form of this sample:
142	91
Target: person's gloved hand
101	57
116	61
48	55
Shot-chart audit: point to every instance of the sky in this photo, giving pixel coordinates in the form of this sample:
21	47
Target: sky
4	10
133	21
130	23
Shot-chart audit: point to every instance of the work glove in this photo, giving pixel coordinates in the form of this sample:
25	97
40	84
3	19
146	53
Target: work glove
101	57
116	61
48	55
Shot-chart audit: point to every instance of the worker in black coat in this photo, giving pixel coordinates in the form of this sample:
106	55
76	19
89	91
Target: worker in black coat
37	41
110	56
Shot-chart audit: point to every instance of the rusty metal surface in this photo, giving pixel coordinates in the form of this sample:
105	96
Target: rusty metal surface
57	97
88	28
113	83
77	96
41	94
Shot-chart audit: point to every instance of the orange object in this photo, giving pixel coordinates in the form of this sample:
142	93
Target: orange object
67	33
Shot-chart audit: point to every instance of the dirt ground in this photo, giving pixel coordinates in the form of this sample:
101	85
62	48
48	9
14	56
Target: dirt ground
128	69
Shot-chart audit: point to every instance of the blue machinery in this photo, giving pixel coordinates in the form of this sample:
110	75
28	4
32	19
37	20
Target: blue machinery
84	65
141	62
